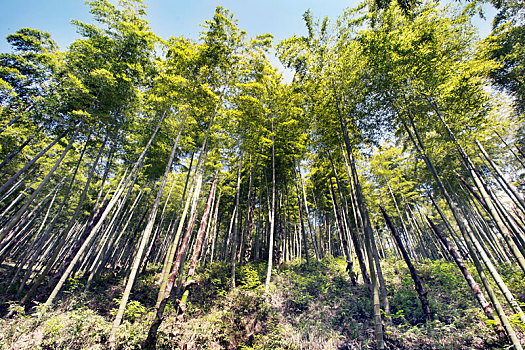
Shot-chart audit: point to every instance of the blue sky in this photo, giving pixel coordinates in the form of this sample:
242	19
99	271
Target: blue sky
175	17
168	17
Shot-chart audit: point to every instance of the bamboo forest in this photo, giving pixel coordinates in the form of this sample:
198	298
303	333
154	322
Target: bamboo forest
176	193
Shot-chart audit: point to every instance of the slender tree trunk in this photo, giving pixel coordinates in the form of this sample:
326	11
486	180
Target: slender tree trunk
349	262
236	225
299	205
382	284
19	148
497	305
14	220
511	188
510	149
168	278
375	294
272	222
495	275
419	288
106	212
357	216
30	163
499	222
312	232
215	231
145	238
485	305
150	342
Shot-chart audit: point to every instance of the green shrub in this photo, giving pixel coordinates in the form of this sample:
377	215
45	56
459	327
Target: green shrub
134	310
78	329
249	278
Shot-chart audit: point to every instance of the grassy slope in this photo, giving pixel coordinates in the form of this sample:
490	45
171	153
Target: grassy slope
308	308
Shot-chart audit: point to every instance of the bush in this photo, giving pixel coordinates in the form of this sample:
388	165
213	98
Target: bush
134	310
78	329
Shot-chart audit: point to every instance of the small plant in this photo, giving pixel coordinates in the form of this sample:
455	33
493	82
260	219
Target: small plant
15	327
78	329
250	278
399	316
74	285
134	310
16	309
516	321
130	336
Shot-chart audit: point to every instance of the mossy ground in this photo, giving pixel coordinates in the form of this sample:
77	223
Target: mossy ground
308	307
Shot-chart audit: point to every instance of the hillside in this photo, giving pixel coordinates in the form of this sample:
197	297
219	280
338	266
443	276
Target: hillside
312	307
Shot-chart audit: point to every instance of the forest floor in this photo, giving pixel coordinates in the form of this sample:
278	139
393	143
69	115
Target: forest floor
308	307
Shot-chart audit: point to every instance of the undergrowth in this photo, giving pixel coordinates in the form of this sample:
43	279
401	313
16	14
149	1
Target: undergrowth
308	307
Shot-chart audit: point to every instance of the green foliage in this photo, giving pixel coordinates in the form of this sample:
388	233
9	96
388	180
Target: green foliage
25	73
309	307
13	329
74	285
215	282
274	339
505	45
132	335
133	312
360	84
250	278
79	329
514	278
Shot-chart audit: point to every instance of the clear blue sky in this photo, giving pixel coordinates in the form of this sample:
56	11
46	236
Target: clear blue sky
168	17
282	18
